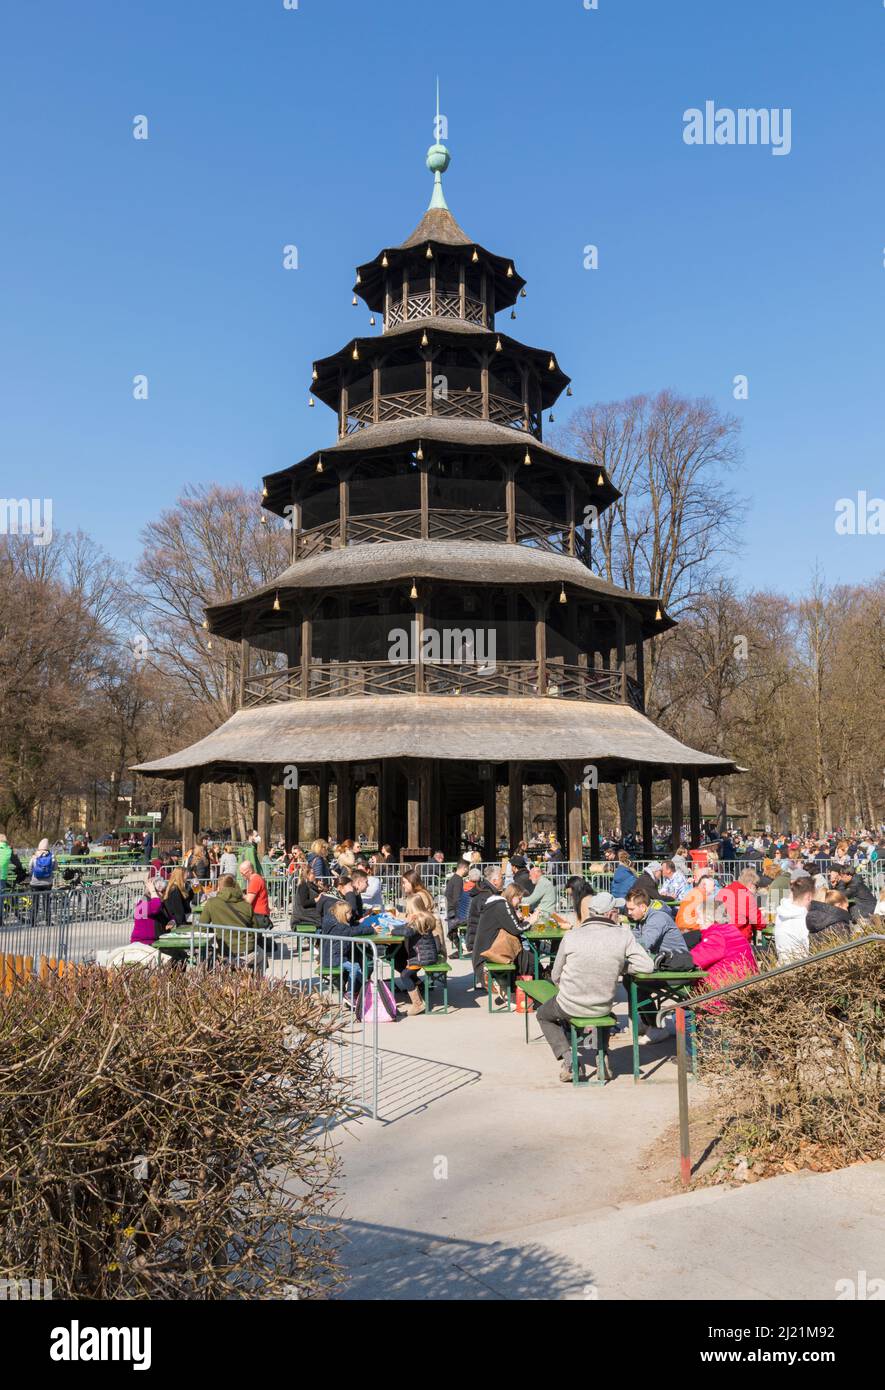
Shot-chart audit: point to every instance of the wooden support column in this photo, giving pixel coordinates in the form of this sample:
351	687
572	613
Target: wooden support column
676	807
437	832
376	392
293	815
343	506
342	419
541	643
694	809
306	644
405	294
514	804
433	288
462	290
295	521
245	669
424	479
572	535
489	813
343	787
428	384
190	811
263	811
418	638
595	849
323	807
413	806
425	795
640	668
484	379
573	812
645	786
622	652
510	501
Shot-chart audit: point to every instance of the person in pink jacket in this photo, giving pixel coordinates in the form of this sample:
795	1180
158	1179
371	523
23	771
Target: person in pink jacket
725	953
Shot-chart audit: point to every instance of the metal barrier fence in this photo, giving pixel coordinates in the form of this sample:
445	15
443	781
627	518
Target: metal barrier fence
67	924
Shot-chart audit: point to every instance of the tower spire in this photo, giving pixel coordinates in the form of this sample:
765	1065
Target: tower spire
438	161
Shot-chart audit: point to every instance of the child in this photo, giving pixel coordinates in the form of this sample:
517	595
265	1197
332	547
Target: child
339	923
150	916
422	948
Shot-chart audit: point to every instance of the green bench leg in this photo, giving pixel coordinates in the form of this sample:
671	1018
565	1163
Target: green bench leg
634	1027
601	1055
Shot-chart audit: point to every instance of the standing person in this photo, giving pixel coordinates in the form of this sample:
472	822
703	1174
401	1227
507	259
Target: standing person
227	864
256	895
592	957
790	927
41	866
6	874
454	893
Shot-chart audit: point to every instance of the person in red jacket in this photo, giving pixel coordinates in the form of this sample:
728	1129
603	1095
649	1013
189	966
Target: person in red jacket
740	900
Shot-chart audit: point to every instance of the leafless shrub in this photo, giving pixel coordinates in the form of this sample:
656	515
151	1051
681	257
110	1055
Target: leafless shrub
796	1063
163	1135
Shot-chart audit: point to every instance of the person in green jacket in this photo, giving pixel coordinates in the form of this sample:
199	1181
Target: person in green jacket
5	862
230	909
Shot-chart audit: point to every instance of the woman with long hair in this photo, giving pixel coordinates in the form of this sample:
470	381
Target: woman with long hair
177	898
304	908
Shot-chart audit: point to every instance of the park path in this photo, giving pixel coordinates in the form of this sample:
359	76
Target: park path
488	1178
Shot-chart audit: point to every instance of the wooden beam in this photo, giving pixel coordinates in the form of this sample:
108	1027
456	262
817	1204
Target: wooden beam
514	804
595	849
694	809
573	812
190	810
645	787
676	807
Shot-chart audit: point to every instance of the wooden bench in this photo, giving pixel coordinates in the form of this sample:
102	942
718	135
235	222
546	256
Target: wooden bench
493	970
540	991
435	975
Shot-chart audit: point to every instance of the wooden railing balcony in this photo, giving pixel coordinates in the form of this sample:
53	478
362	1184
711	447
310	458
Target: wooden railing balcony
448	306
443	523
351	679
457	404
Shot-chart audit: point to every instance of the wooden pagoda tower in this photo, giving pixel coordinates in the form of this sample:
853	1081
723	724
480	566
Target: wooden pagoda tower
439	512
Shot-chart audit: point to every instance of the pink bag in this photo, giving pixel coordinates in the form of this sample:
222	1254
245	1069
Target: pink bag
376	1003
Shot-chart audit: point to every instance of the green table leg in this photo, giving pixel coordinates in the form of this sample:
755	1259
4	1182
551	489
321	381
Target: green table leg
634	1026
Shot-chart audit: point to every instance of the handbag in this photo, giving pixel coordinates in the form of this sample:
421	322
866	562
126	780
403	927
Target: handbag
504	949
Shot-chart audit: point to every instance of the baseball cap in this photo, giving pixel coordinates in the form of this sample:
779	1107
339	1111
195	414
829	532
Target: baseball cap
653	868
602	903
468	858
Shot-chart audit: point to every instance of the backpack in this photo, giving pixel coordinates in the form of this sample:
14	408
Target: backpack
44	867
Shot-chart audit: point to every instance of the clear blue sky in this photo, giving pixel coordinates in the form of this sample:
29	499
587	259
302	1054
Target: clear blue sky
270	126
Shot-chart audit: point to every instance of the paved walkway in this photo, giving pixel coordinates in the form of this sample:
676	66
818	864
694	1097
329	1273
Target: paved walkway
491	1179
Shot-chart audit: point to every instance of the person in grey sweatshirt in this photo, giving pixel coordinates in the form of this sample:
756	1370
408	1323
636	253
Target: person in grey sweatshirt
591	959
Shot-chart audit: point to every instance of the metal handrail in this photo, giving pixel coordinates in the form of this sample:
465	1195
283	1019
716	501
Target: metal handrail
681	1011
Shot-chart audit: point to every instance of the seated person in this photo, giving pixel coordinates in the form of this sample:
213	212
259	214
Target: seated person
149	918
831	913
307	892
743	910
230	910
178	897
623	877
500	914
862	900
696	911
591	959
344	923
790	928
656	931
725	953
422	948
542	900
